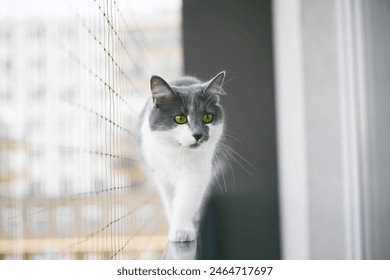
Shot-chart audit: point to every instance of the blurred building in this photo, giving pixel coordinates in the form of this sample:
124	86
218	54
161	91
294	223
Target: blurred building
72	84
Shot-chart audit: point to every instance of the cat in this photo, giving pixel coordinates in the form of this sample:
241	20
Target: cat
181	126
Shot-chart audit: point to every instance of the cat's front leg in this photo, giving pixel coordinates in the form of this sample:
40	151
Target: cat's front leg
165	194
183	233
186	204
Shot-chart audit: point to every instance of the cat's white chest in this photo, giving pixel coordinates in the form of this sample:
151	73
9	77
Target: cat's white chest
174	163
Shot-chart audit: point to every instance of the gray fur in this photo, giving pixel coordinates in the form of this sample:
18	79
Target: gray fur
188	96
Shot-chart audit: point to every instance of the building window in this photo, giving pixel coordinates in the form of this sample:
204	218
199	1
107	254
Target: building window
35	126
5	35
37	33
36	153
6	66
5	94
10	219
5	164
99	184
68	93
35	188
38	93
65	220
66	186
39	220
90	218
38	64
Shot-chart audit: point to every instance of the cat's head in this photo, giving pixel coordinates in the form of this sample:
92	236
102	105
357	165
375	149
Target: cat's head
187	113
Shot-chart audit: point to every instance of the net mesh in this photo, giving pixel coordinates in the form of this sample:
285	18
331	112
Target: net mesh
74	78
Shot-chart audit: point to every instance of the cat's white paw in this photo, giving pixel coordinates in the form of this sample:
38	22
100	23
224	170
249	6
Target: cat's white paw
182	234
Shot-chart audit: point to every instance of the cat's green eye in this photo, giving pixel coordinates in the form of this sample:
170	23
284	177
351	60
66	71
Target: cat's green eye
180	119
207	118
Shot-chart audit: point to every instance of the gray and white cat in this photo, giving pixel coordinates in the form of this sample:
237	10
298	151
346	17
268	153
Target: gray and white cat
181	126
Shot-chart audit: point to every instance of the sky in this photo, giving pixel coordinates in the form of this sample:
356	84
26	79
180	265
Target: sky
46	9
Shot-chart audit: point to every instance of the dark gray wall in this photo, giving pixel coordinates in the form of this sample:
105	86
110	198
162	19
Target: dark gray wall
236	36
376	18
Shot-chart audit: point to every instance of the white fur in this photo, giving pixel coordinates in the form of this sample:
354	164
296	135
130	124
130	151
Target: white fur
181	173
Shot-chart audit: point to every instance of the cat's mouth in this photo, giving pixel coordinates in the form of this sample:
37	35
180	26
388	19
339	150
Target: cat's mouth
193	146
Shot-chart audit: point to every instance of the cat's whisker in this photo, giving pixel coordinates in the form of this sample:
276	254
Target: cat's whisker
216	170
222	172
239	155
234	138
230	165
231	135
240	164
237	161
225	82
216	176
215	173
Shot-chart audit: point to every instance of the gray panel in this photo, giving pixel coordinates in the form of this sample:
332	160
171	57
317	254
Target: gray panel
377	22
236	36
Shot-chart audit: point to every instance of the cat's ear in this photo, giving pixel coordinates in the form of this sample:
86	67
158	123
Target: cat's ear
161	91
215	84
